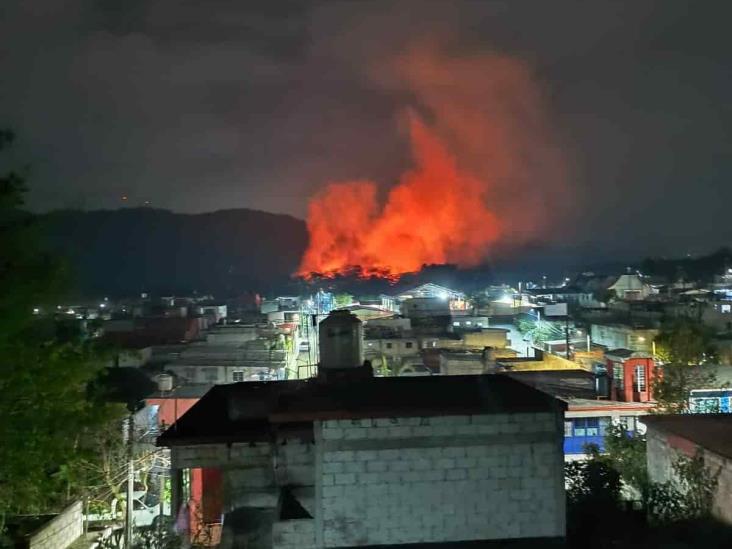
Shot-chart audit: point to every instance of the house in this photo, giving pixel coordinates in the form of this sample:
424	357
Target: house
420	307
586	422
430	290
631	375
589	412
348	459
631	287
565	294
709	435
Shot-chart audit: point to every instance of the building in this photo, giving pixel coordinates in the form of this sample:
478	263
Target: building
631	375
589	412
623	336
565	294
420	307
631	287
586	422
349	459
672	436
431	290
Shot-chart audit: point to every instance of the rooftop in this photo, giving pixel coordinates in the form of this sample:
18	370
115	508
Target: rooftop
249	411
709	431
559	383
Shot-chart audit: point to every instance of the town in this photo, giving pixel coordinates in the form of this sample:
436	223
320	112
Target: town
418	274
286	421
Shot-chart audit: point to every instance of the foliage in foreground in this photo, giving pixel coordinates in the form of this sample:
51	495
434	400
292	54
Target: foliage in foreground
48	419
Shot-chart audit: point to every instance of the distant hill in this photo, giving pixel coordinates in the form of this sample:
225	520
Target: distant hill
703	268
128	251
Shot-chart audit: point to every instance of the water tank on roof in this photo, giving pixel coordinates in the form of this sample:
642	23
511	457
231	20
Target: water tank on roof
165	383
341	341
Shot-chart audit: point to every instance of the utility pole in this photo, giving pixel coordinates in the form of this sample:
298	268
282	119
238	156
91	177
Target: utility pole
130	479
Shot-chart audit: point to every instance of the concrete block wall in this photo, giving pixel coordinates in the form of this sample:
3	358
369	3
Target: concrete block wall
61	531
294	534
437	479
294	463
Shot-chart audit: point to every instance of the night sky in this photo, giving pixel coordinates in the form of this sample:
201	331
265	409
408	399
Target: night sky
198	106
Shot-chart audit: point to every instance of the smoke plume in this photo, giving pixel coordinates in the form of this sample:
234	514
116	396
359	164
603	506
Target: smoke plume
485	172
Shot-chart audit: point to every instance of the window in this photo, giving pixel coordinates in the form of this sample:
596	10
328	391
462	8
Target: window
388	345
211	374
618	374
190	373
727	308
567	428
586	427
408	344
640	378
628	422
237	376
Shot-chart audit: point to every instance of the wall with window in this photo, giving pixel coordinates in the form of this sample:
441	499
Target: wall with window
631	379
711	401
394	347
581	431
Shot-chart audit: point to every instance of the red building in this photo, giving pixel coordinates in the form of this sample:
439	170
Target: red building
631	375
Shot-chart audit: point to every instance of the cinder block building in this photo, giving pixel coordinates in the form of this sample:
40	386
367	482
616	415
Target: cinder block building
351	460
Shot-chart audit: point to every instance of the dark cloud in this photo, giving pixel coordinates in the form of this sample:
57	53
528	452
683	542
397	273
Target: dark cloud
196	106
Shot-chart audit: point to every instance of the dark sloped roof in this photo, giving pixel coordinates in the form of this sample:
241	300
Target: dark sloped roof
251	410
712	432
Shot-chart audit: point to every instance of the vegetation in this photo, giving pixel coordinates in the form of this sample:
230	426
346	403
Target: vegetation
684	348
667	511
48	418
537	330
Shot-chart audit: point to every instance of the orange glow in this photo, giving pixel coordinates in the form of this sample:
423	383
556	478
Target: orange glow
487	176
436	214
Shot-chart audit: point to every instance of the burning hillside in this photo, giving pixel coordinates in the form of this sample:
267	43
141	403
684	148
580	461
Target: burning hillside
478	155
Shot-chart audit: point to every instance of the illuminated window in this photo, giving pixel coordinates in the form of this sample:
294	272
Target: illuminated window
567	428
237	376
640	378
727	308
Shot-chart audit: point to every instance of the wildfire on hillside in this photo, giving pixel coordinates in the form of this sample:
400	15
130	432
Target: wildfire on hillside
483	169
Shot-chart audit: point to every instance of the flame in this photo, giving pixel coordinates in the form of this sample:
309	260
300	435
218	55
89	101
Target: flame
488	149
436	214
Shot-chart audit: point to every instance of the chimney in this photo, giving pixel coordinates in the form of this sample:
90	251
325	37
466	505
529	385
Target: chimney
341	346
